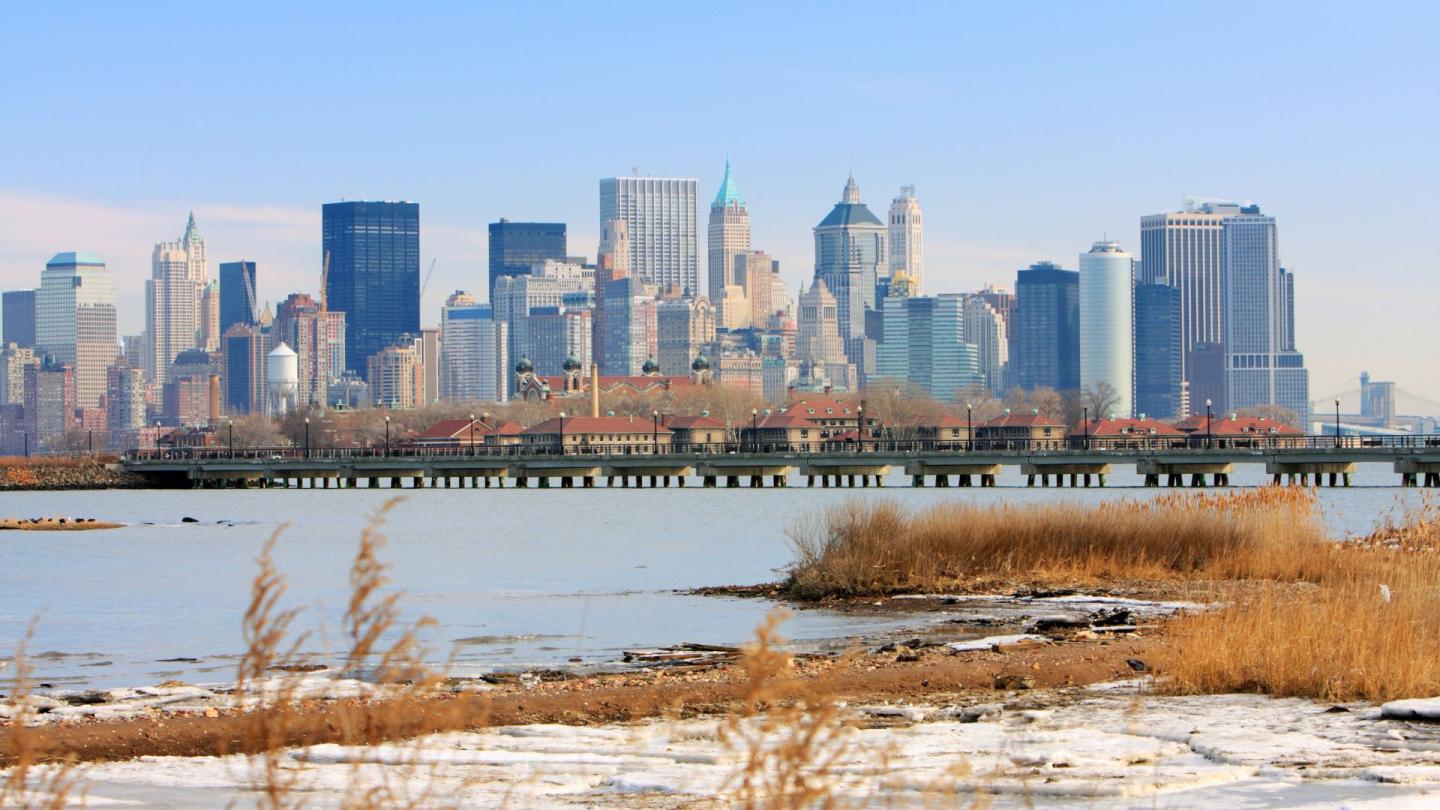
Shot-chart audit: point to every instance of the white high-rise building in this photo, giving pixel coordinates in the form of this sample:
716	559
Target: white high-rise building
1107	324
75	320
660	218
474	360
729	236
986	330
173	296
1262	366
907	238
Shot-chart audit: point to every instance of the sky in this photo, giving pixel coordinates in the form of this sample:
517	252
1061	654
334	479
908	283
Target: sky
1030	130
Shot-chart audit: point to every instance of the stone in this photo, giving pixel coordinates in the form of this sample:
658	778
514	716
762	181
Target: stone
188	519
1137	665
1014	682
905	655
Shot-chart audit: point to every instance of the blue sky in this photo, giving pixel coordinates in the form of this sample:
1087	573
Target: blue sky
1029	129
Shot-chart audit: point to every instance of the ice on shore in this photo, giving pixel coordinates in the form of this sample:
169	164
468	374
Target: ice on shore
1082	748
1414	709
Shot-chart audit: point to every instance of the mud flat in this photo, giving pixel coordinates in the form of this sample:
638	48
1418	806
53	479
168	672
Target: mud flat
55	524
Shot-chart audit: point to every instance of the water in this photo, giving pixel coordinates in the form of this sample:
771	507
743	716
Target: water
519	578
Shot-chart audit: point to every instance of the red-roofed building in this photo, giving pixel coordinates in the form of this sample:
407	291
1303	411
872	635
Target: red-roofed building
694	432
598	434
457	433
832	415
1120	433
1020	431
1241	431
947	431
789	429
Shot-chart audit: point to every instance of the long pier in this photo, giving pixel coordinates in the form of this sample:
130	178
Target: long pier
1317	461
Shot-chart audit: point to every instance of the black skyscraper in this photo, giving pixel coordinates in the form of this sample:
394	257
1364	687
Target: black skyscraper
1159	351
237	294
514	246
1045	328
18	317
374	250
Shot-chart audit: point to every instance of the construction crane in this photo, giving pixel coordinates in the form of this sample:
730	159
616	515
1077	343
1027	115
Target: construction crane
324	283
250	291
428	274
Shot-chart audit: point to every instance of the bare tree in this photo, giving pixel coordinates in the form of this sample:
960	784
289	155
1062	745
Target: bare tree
1101	399
1274	413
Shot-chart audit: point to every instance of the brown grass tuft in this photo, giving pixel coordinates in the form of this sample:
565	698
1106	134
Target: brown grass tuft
35	779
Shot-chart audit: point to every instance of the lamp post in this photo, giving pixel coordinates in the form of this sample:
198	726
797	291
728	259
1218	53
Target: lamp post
307	437
1337	423
562	433
755	429
1085	425
860	427
1209	434
27	444
969	426
472	434
387	435
90	441
654	433
230	424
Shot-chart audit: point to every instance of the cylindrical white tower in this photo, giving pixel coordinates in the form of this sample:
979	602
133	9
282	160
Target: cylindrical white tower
1107	327
282	380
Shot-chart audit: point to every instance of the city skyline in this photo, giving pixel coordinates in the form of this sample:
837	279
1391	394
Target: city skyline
1000	190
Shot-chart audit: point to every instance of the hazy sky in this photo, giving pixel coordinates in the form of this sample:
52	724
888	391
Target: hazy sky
1030	130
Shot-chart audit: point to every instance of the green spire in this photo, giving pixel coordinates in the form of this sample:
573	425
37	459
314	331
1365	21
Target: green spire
727	193
192	233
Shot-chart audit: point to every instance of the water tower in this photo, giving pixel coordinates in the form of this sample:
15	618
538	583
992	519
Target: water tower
282	380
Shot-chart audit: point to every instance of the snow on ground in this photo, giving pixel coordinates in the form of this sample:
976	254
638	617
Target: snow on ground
1103	748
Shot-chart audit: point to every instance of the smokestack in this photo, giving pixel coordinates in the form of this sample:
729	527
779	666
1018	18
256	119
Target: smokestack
594	390
214	399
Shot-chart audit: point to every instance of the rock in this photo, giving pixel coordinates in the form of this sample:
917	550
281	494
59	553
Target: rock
905	655
975	714
188	519
1137	665
1336	710
212	712
1103	618
1058	622
89	698
1014	682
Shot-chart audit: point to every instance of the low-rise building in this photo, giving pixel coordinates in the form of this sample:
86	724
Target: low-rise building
1126	433
692	433
1019	431
598	434
1240	431
786	430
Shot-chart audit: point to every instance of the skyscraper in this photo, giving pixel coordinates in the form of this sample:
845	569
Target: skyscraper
14	359
907	238
517	246
515	297
924	343
1045	328
659	213
124	403
629	324
986	330
209	333
818	344
474	361
396	375
1107	323
756	273
237	294
612	263
75	321
729	237
683	327
18	318
301	325
1159	352
558	334
244	352
172	300
1262	366
50	399
374	251
849	255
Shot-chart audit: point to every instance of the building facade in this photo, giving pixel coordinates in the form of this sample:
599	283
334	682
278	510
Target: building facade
660	218
396	376
1262	366
850	255
474	356
237	294
14	359
373	250
1045	329
683	328
986	330
729	237
515	247
75	321
243	348
558	334
923	342
907	238
17	318
1159	352
1107	323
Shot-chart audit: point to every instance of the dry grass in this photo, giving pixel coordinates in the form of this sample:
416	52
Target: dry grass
35	779
876	547
1369	630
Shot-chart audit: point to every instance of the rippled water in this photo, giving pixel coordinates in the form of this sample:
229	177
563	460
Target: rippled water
516	577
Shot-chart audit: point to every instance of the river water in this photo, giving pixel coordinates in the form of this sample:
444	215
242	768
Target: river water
515	578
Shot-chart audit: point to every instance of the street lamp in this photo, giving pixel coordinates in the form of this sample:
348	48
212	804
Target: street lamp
90	440
654	433
562	433
1209	433
231	425
755	429
860	426
387	435
307	437
1085	425
472	434
1337	423
969	426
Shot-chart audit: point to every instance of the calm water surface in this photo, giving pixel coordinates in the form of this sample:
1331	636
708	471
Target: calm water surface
516	578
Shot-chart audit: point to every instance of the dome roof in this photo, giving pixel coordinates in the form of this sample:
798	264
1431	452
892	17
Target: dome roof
524	366
650	367
701	363
572	363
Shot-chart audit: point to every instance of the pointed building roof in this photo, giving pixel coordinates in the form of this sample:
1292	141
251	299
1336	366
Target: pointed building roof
192	233
851	194
727	193
850	211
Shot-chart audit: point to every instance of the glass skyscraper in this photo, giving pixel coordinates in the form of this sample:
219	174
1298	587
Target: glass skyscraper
1045	328
374	252
75	320
516	246
659	213
1262	366
237	294
18	319
923	342
1159	351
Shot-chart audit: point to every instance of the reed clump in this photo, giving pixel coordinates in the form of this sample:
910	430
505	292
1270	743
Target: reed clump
871	547
1370	630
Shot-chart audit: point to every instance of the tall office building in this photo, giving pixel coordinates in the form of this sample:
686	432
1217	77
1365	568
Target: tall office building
629	325
986	330
172	302
75	321
907	238
209	334
1262	366
729	237
374	251
396	375
558	334
474	360
1159	352
244	374
515	247
659	214
514	298
1045	329
14	359
849	256
237	294
1107	323
124	403
923	342
612	263
756	274
194	247
17	318
301	325
50	399
683	328
818	344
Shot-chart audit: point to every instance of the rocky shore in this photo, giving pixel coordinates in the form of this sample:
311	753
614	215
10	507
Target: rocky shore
55	524
62	474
